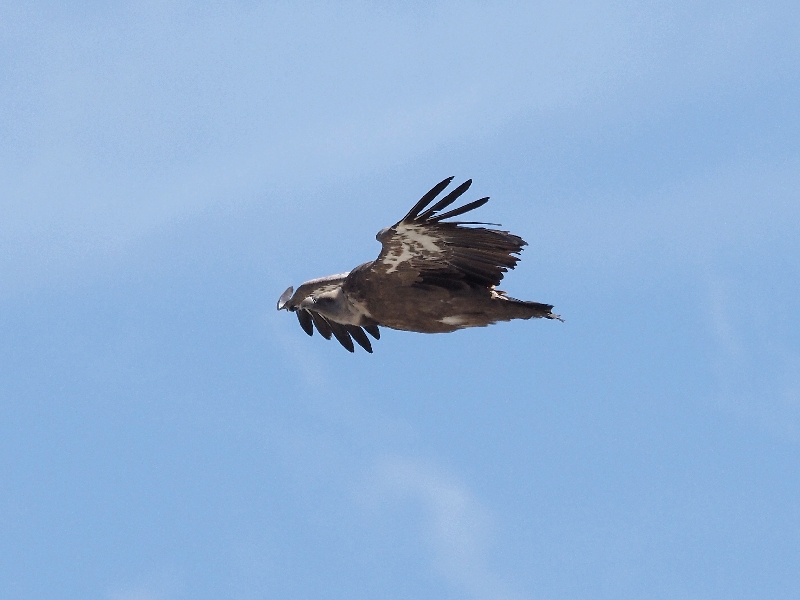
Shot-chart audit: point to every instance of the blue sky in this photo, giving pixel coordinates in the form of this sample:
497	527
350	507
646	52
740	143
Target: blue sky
168	169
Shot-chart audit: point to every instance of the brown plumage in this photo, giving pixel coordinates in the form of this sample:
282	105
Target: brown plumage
431	277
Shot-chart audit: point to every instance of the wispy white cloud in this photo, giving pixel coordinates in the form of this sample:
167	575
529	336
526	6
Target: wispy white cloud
757	369
456	528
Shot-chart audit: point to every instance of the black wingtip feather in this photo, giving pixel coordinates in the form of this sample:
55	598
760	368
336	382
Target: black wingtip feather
305	321
476	223
446	201
427	198
461	210
359	336
373	331
322	325
340	333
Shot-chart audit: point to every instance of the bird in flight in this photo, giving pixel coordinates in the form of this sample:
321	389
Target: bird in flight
432	276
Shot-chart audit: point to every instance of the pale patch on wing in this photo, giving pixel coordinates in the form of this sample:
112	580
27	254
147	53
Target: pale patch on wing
454	320
411	241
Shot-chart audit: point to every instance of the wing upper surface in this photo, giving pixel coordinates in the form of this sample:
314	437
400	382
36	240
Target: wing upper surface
423	248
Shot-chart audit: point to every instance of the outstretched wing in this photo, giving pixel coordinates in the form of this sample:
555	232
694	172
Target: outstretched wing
423	248
309	318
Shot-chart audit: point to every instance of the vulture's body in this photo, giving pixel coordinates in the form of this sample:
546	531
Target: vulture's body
431	276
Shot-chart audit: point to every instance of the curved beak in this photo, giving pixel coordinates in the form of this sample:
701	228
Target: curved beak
285	297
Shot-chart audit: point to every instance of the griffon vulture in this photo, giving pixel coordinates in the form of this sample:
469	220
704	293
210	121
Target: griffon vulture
432	276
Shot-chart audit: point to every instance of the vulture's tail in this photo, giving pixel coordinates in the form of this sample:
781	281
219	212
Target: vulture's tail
511	308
